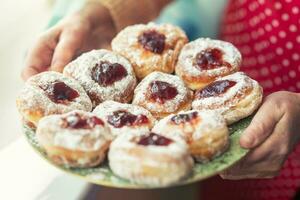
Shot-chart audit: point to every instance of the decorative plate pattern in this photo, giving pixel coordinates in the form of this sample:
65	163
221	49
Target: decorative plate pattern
102	175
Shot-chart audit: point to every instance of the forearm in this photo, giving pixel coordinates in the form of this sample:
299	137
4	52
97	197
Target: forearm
128	12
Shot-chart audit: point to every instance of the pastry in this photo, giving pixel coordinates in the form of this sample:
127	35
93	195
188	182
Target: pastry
202	61
124	118
235	96
75	139
205	132
150	159
150	47
104	75
50	93
162	94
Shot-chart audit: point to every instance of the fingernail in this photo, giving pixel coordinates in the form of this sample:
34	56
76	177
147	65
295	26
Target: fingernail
247	141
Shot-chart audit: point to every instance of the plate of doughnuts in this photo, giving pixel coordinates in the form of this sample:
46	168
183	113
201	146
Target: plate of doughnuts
155	111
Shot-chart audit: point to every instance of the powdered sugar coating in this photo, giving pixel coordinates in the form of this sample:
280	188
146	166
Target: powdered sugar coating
231	97
186	61
150	165
50	132
81	70
169	106
108	107
205	122
126	43
34	99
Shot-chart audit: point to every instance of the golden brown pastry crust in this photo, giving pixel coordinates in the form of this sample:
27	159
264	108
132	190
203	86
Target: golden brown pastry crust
144	61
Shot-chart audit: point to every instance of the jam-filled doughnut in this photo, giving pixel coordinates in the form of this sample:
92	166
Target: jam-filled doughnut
104	75
162	94
150	47
236	96
51	93
74	139
124	118
150	159
206	133
202	61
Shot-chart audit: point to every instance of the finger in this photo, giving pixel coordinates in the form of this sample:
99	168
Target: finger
70	41
261	126
264	161
40	55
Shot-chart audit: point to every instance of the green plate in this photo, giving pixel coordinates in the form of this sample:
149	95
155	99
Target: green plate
102	175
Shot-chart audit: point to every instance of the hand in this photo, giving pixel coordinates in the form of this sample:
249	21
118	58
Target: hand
271	136
87	29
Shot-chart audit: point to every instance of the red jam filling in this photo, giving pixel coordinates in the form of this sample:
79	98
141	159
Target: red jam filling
123	118
152	41
76	121
161	91
210	59
106	73
214	89
182	118
59	92
154	139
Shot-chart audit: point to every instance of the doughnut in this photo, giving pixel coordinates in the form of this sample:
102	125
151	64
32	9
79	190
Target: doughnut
123	118
235	96
104	75
162	94
74	139
150	159
50	93
150	47
205	132
202	61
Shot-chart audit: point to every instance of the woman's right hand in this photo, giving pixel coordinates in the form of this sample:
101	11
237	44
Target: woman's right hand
87	29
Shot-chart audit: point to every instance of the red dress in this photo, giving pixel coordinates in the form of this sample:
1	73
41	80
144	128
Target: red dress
267	32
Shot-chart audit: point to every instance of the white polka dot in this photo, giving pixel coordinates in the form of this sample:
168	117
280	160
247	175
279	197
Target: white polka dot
298	38
261	59
274	68
252	61
254	35
275	23
292	89
277	80
293	28
264	71
261	1
285	16
292	73
268	27
273	39
289	45
262	16
298	84
288	1
285	78
277	5
261	31
282	34
268	11
295	56
285	62
253	6
245	50
295	10
279	51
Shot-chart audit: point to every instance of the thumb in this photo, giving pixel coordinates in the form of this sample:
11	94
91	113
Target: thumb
65	50
261	126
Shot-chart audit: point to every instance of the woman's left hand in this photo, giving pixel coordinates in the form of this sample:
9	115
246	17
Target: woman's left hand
271	136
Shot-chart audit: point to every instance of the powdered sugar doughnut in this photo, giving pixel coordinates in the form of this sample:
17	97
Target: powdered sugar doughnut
206	133
125	118
236	96
203	60
50	93
150	159
162	94
104	75
75	139
150	47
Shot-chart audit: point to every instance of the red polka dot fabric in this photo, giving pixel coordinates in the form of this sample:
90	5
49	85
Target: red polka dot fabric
267	32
